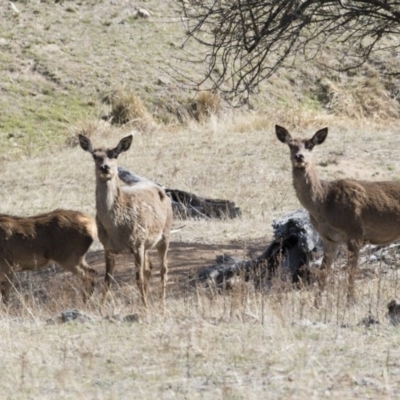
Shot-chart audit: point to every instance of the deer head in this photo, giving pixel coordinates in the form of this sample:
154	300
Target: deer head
105	159
300	149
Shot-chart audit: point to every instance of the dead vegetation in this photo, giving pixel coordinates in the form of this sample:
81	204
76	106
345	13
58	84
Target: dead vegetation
204	105
127	108
276	337
242	343
53	62
362	97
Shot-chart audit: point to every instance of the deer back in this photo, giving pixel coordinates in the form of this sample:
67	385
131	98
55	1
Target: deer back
32	242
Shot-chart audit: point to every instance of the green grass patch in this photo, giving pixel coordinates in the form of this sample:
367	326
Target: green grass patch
31	126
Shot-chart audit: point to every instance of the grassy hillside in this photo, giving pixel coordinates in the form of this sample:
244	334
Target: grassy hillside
64	65
60	60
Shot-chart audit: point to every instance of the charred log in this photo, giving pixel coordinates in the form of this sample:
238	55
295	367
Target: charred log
289	255
188	205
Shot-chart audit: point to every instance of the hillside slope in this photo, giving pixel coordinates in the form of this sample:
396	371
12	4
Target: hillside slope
59	60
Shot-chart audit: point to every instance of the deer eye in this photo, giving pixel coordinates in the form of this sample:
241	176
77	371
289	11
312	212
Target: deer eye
309	145
112	154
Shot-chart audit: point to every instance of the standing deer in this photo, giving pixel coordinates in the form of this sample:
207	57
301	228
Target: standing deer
130	218
31	243
342	211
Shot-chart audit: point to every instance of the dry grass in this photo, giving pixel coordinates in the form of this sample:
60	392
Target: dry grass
128	108
204	105
233	345
240	344
55	72
236	157
365	97
89	128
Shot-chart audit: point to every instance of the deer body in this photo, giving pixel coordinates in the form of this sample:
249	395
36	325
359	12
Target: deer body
125	220
343	211
32	243
349	209
134	219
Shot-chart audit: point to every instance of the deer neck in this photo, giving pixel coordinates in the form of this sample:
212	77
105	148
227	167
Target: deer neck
309	188
109	197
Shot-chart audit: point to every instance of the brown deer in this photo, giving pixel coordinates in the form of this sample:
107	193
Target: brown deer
129	218
31	243
342	211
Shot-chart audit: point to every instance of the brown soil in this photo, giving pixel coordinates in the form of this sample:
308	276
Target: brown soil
53	285
184	260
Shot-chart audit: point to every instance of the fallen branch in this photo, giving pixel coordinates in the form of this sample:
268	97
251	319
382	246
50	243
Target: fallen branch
188	205
295	250
295	241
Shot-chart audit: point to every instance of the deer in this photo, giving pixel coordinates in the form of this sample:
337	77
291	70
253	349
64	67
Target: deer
32	243
130	219
348	211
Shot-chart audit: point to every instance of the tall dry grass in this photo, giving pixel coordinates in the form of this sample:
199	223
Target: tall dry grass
222	344
126	107
210	344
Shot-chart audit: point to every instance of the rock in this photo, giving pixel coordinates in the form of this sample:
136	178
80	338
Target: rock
74	315
119	318
131	318
143	13
394	312
368	321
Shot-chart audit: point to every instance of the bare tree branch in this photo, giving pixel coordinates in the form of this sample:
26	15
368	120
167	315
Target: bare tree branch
246	41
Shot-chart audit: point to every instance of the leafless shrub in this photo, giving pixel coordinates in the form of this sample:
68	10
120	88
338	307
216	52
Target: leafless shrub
245	43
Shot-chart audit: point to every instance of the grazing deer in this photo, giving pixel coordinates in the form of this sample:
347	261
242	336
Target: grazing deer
342	211
130	218
31	243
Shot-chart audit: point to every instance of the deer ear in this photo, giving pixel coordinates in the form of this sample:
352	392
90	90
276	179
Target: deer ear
124	144
85	143
282	134
319	137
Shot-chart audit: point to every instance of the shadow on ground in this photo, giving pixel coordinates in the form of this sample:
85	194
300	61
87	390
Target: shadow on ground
185	260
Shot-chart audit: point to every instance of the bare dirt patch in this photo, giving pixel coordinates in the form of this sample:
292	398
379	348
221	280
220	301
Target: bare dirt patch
185	261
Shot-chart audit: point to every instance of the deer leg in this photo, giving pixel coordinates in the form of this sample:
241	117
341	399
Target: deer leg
140	255
330	251
110	266
88	278
5	288
162	249
81	268
147	272
353	247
